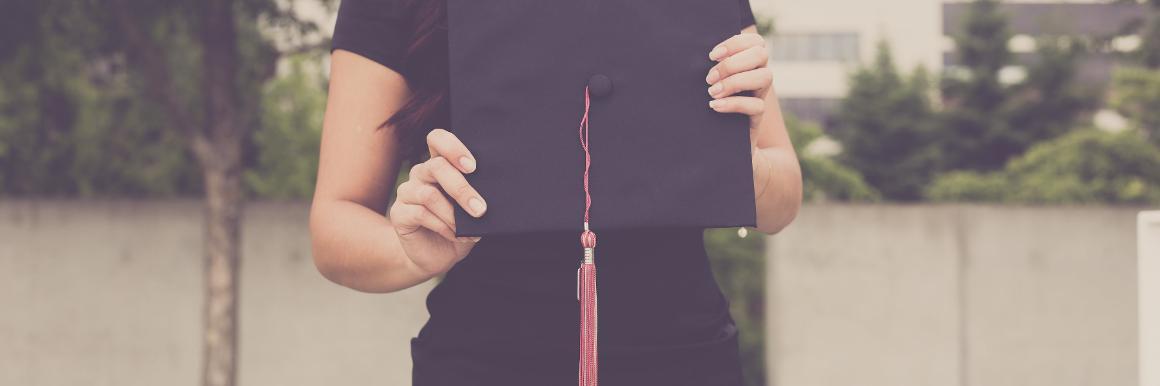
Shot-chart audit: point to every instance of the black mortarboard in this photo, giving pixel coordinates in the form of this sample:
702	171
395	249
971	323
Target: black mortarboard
660	156
521	73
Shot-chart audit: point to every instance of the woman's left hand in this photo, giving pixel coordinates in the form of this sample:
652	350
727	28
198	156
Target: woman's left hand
740	83
742	65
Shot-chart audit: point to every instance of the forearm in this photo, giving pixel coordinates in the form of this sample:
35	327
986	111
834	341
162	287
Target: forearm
778	201
776	172
357	247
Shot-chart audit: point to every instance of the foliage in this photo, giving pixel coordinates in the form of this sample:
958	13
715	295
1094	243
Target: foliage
116	97
974	135
73	121
1086	166
968	186
76	118
1148	55
288	139
739	267
1136	95
1049	102
765	25
822	178
885	125
986	122
893	136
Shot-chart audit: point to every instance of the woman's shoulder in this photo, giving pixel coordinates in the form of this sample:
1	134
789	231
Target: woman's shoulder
375	29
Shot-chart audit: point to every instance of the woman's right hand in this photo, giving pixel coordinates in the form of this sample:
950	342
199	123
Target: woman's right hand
423	215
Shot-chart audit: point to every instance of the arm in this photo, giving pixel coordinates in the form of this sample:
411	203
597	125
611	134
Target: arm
354	244
777	175
777	179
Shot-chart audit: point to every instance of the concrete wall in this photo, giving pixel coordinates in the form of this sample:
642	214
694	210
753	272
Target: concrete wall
954	295
1149	300
109	293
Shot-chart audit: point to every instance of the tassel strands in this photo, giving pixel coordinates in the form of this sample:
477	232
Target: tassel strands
586	273
588	318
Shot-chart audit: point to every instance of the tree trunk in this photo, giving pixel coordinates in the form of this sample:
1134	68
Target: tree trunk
216	143
221	163
223	193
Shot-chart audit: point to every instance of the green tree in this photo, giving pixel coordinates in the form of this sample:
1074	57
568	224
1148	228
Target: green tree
1085	166
1136	86
986	122
823	178
148	98
885	126
739	267
73	121
1148	55
288	139
1136	95
974	135
1049	102
223	58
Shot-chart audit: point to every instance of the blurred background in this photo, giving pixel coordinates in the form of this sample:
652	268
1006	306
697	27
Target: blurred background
975	172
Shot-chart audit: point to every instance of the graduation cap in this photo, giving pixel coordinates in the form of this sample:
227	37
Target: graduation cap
660	157
539	88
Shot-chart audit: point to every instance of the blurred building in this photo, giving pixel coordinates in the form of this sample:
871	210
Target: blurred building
819	43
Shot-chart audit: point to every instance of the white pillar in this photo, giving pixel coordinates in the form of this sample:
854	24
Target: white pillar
1148	240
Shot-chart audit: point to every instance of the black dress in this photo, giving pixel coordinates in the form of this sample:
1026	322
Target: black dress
508	315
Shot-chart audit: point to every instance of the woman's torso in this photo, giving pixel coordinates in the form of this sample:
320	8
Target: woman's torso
509	309
508	313
656	288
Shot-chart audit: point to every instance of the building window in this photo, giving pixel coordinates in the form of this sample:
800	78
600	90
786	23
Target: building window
816	47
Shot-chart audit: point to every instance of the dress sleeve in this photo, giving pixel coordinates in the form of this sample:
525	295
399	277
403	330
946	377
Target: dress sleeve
374	29
747	18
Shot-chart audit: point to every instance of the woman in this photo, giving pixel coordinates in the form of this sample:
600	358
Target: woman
501	315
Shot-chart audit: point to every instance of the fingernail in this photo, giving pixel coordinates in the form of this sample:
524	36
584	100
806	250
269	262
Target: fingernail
713	90
467	163
712	78
476	239
714	104
476	205
717	52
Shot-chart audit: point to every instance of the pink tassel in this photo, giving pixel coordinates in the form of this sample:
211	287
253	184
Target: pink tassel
588	319
586	274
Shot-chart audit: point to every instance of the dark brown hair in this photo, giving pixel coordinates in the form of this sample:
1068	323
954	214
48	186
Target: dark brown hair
425	68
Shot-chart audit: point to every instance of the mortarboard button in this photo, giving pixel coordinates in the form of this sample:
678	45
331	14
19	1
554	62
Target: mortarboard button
599	85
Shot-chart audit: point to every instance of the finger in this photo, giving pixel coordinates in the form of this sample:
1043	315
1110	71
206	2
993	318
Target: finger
735	44
444	143
749	59
409	219
418	193
751	106
752	80
439	171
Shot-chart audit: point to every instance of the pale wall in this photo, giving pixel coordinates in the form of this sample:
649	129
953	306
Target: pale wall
109	293
1149	300
954	295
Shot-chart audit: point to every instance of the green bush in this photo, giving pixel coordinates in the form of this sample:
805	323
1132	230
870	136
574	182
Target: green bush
823	178
1136	95
1086	166
739	266
287	140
